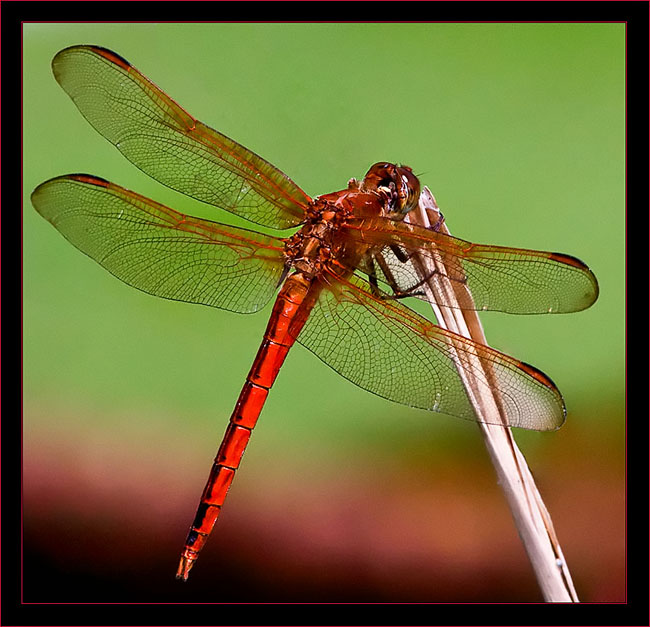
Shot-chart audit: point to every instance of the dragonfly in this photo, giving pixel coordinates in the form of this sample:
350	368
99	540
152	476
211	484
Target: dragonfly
339	276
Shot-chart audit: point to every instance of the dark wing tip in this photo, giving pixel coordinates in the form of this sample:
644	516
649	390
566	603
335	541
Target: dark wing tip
569	260
107	54
90	179
548	383
111	56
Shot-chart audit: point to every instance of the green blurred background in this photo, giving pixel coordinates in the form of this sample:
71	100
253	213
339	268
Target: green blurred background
518	129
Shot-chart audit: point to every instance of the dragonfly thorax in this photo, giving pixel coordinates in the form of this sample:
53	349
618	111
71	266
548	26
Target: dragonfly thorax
387	190
312	247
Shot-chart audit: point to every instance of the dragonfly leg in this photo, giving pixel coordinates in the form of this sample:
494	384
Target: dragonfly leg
400	253
372	277
390	277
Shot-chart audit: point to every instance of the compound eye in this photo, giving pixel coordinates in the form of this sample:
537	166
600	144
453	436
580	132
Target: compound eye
380	175
409	187
399	182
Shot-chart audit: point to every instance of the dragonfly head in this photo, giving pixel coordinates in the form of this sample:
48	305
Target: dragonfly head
399	182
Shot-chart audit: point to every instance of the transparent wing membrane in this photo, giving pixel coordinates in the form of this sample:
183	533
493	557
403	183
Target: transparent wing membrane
511	280
167	143
388	349
161	251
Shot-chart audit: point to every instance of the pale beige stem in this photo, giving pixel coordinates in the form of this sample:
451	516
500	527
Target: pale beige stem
531	517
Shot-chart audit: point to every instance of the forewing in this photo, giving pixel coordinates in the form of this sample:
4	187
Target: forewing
388	349
511	280
161	251
167	143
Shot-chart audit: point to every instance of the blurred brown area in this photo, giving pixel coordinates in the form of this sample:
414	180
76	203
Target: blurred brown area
105	520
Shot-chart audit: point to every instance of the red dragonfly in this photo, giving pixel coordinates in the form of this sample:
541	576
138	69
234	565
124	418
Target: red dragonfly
338	281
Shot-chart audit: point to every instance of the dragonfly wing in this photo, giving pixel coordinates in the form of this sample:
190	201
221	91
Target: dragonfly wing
166	142
388	349
161	251
492	278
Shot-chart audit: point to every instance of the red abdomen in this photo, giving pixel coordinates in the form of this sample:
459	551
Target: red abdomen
287	319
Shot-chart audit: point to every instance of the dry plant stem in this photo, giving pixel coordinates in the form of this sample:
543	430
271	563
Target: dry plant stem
531	517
